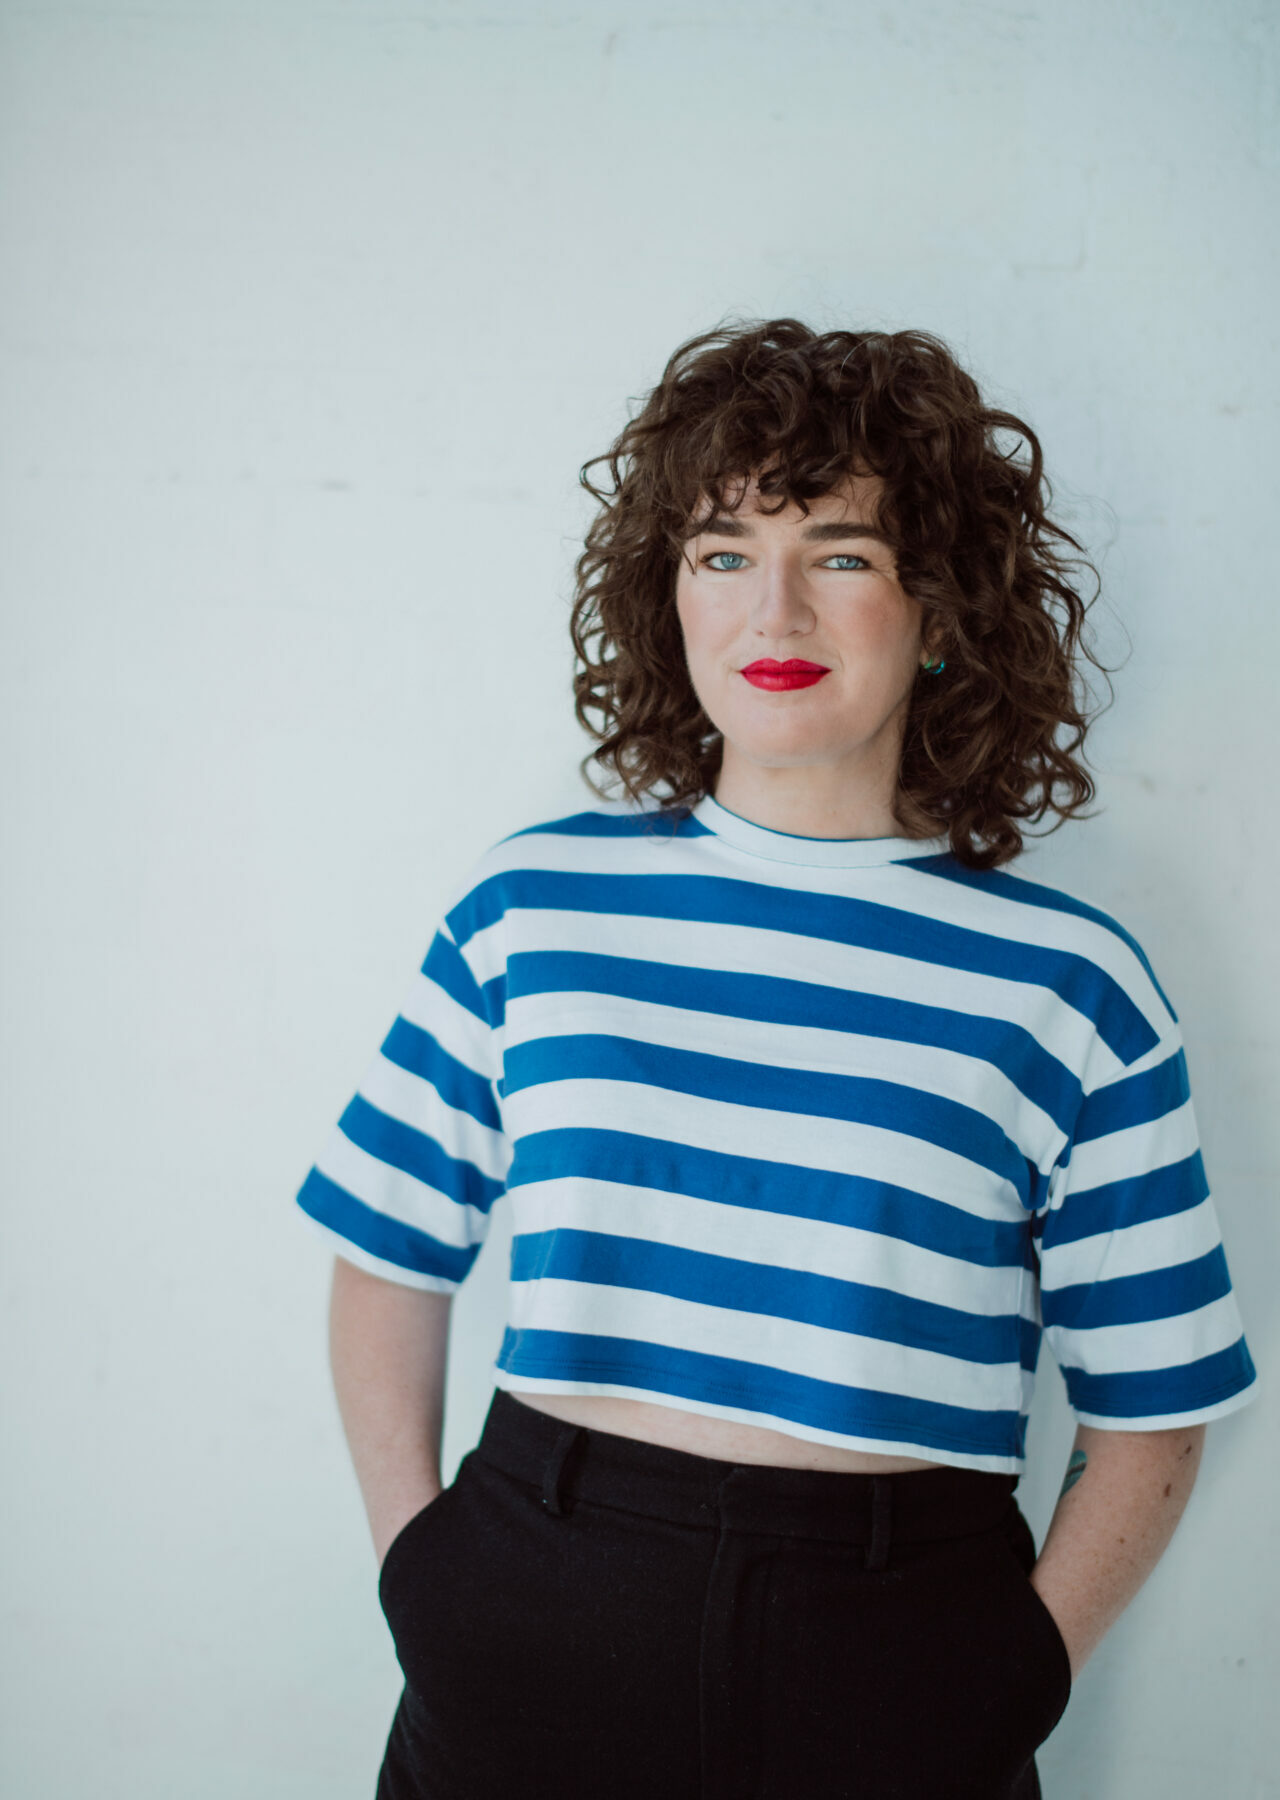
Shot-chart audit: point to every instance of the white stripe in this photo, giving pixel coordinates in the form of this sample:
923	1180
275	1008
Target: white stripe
1133	1249
413	1101
772	1240
1149	1343
467	1039
801	1140
966	1080
751	950
1134	1149
399	1196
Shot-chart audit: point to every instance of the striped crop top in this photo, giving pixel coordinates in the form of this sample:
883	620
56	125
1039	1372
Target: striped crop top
814	1134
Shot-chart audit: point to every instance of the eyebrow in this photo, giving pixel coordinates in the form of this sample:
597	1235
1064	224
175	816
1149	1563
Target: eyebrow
722	525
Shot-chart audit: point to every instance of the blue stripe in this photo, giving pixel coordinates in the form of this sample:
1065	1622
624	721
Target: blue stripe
1136	1299
386	1238
832	918
444	964
415	1051
1134	1099
654	821
415	1153
776	1000
1146	1393
1129	1200
835	1196
726	1381
605	1259
852	1098
1008	886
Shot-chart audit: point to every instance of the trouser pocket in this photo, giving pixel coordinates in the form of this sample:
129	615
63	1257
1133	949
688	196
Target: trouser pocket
934	1676
547	1653
1044	1640
405	1543
418	1572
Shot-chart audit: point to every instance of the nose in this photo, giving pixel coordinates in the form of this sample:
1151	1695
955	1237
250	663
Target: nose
781	601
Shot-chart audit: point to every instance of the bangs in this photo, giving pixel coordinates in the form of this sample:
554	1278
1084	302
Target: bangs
778	480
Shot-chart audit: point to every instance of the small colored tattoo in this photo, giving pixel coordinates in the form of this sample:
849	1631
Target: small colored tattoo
1075	1469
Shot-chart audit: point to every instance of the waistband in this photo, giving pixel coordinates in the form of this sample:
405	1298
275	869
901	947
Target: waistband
567	1462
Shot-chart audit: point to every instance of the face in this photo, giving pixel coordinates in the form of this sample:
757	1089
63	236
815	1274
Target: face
821	588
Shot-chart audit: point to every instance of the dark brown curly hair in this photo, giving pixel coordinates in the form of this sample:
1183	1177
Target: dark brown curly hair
800	411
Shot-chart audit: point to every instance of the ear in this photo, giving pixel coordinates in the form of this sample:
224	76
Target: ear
930	644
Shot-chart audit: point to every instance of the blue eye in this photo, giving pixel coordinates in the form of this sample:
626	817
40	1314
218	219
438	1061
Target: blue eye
734	555
847	556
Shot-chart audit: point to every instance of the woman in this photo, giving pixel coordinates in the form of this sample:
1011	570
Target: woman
812	1116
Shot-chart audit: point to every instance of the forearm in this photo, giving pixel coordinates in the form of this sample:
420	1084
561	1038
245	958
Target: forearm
388	1346
1113	1521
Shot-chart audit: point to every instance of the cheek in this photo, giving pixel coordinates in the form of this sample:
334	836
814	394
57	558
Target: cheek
700	622
885	627
683	609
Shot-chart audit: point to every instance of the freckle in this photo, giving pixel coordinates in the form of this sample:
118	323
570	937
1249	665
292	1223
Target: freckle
1168	1489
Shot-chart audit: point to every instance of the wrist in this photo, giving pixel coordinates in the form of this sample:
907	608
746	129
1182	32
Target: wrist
393	1512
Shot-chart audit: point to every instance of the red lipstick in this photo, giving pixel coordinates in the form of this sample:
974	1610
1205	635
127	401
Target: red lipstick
778	675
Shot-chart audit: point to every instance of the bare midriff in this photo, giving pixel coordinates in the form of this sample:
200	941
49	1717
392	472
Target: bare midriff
703	1435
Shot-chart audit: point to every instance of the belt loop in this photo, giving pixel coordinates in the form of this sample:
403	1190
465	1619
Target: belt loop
565	1439
881	1498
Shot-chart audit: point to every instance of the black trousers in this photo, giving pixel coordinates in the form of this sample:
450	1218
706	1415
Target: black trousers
580	1614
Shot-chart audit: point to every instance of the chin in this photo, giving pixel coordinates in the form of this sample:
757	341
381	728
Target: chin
792	729
784	756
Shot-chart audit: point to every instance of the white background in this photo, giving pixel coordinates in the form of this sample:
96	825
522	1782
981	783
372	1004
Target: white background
310	314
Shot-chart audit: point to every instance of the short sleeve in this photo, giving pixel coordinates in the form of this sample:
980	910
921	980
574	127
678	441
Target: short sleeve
405	1183
1136	1299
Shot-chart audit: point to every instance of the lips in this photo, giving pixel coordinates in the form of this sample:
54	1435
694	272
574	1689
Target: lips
767	666
776	676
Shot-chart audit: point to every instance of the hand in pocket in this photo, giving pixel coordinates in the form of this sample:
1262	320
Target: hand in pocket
405	1529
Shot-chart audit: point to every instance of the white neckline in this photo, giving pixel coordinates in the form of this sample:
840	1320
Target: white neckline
828	853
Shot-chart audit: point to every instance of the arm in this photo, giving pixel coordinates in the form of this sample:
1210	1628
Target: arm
1114	1518
388	1346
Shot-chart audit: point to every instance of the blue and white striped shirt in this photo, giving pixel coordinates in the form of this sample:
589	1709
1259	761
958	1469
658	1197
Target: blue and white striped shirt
813	1134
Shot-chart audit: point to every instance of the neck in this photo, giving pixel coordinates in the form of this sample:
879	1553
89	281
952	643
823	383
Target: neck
819	802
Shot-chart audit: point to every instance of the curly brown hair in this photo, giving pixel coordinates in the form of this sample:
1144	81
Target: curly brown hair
801	411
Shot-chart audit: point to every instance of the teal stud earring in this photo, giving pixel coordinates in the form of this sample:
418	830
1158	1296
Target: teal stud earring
933	668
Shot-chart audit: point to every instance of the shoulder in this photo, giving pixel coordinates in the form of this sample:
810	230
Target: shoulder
528	862
571	839
1067	927
602	824
1008	893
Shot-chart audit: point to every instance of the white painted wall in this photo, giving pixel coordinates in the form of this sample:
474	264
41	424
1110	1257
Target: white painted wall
310	314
